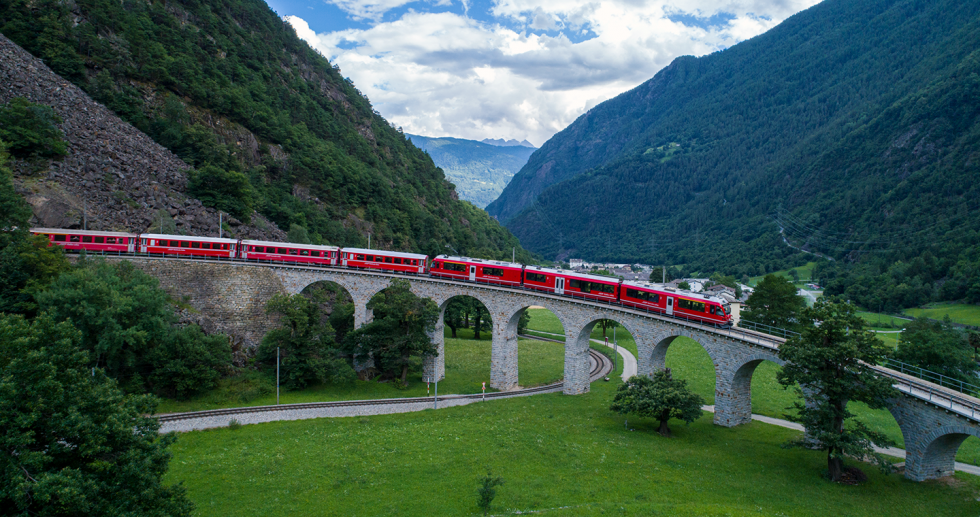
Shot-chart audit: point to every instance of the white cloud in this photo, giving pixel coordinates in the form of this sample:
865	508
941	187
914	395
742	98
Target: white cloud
517	75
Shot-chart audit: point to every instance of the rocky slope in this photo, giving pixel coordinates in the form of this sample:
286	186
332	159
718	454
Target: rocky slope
114	177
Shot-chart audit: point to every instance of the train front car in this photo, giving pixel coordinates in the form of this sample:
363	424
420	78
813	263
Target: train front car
482	271
677	303
90	241
265	251
581	285
383	260
188	246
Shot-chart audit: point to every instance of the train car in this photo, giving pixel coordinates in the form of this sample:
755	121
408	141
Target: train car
384	260
185	245
91	241
558	281
477	270
289	252
684	304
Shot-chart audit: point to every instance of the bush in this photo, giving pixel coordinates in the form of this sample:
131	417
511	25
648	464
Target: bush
188	363
225	190
31	130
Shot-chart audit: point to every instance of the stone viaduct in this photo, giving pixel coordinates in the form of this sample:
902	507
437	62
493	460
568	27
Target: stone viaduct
934	420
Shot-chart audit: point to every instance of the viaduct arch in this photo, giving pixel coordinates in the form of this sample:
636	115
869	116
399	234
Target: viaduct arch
934	421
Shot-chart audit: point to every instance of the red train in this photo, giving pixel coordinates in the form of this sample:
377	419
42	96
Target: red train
708	309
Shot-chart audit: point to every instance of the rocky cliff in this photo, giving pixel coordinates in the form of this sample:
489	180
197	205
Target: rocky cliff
114	177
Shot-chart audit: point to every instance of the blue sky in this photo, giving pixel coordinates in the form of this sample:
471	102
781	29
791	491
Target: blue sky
514	68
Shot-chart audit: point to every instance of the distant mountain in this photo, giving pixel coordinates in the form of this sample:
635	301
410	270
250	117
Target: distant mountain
264	123
850	130
500	142
479	170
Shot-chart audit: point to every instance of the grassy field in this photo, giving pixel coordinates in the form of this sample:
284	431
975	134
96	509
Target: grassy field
689	361
958	312
882	321
558	455
467	366
803	273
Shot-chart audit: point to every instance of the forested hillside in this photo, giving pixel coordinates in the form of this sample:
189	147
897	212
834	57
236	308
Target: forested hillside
479	170
851	127
268	124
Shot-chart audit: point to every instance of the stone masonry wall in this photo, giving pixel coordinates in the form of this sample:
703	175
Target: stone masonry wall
230	297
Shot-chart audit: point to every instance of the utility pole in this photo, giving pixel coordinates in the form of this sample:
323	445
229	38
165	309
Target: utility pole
219	231
369	241
513	254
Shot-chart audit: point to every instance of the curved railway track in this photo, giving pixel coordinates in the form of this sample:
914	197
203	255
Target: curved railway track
601	365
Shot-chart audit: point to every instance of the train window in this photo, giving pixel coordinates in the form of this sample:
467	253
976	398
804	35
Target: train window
195	244
185	244
536	277
73	238
451	266
281	251
493	271
580	285
690	305
87	238
100	240
60	238
370	258
643	295
293	252
605	288
388	260
305	253
110	240
398	260
207	246
224	246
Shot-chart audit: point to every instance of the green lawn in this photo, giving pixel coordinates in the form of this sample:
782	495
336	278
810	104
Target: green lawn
467	366
958	312
558	455
689	361
803	273
882	321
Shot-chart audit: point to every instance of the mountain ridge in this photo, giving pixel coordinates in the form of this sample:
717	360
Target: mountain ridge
479	170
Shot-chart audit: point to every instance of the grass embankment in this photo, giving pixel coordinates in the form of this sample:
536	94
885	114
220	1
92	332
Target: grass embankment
962	313
689	361
803	273
558	455
467	366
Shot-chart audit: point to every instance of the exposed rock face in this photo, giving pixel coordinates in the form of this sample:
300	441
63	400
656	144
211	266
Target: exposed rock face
115	177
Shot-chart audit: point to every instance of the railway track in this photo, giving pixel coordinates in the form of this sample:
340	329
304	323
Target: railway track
601	365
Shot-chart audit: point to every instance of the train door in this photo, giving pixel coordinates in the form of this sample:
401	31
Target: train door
670	306
143	245
472	273
559	285
343	258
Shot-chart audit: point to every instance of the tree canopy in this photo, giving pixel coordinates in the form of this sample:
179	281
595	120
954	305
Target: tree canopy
398	338
775	302
938	347
661	397
304	342
830	360
72	443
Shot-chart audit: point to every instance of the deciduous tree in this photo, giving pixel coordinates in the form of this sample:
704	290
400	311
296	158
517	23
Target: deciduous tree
305	343
775	302
399	334
71	442
661	397
938	347
831	360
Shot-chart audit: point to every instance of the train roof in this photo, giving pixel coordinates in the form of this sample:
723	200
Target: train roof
82	232
186	238
686	294
385	253
482	261
290	244
597	278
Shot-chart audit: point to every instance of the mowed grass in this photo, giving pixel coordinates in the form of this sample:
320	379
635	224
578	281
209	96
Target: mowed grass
882	321
689	361
962	313
803	273
558	455
467	367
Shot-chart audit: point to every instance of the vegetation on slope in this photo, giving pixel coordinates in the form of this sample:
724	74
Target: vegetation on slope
850	128
232	90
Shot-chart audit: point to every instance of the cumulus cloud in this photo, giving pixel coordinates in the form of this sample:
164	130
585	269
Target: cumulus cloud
530	67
